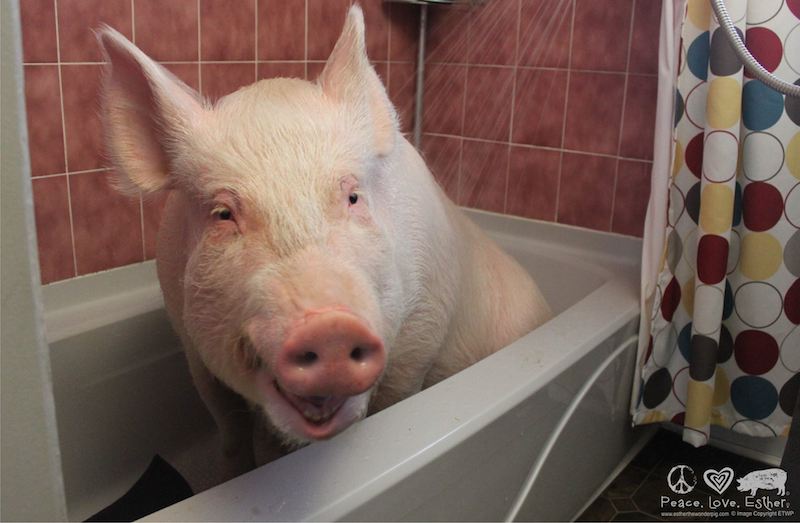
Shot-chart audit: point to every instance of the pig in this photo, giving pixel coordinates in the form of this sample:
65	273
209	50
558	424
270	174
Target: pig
311	265
767	479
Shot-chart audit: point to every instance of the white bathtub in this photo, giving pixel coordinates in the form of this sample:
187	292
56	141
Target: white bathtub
532	432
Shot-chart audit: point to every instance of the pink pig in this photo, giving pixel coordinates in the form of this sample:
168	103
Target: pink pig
311	265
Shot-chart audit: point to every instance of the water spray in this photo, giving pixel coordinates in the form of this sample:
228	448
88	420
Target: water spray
423	23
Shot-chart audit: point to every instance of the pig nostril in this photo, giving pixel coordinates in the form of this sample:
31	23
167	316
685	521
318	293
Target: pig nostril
357	354
306	358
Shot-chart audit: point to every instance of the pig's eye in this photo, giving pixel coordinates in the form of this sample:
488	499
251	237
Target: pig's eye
353	198
222	213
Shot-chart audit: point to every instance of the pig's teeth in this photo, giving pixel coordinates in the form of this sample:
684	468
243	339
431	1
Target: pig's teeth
313	408
317	417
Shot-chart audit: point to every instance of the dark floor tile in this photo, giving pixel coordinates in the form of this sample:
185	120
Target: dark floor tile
648	458
634	516
624	505
600	510
663	444
749	465
626	483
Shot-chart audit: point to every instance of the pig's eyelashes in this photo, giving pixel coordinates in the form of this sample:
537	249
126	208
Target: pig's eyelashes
222	213
225	218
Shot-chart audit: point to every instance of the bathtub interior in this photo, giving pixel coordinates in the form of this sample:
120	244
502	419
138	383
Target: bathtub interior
123	392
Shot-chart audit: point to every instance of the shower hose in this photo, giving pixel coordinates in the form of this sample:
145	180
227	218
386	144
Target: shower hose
750	63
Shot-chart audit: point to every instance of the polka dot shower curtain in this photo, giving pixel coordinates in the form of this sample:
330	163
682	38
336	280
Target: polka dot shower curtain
720	337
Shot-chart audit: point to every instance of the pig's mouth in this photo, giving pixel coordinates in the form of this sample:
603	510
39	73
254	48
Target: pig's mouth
317	410
311	418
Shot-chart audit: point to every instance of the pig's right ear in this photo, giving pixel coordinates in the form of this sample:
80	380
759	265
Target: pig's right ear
146	111
349	77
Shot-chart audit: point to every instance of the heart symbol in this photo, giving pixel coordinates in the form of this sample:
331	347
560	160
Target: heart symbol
719	480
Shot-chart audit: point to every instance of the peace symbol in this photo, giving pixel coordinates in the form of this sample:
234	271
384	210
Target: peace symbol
681	479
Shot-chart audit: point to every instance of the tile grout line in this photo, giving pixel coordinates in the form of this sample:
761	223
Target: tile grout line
389	52
460	181
255	43
305	41
545	67
56	175
141	198
194	62
133	21
542	147
199	53
513	105
64	141
88	171
46	176
562	149
622	115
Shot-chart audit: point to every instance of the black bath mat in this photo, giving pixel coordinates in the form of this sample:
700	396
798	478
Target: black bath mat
160	486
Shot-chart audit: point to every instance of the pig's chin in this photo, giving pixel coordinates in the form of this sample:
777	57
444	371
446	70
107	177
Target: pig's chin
306	419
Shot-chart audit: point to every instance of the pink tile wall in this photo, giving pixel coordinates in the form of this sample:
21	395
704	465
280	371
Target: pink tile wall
537	108
544	108
215	46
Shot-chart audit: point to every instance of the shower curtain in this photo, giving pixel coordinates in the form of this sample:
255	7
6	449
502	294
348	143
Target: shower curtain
720	327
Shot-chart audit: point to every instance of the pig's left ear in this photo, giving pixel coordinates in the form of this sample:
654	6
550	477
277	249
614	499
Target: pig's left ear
349	78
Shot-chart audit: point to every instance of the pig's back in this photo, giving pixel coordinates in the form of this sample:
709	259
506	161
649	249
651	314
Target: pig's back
498	303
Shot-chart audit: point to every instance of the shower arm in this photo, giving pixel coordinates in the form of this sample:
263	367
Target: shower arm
750	63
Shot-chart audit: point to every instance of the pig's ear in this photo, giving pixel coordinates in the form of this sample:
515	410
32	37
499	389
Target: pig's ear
349	78
146	111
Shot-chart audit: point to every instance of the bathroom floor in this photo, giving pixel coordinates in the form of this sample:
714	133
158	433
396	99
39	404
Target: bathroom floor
636	493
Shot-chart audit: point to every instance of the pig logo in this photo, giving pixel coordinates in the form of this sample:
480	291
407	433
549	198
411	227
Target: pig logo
718	480
767	479
681	479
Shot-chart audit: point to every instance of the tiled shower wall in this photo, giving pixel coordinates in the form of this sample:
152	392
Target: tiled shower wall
545	108
532	107
215	46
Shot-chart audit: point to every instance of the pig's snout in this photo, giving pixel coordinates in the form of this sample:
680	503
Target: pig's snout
330	353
